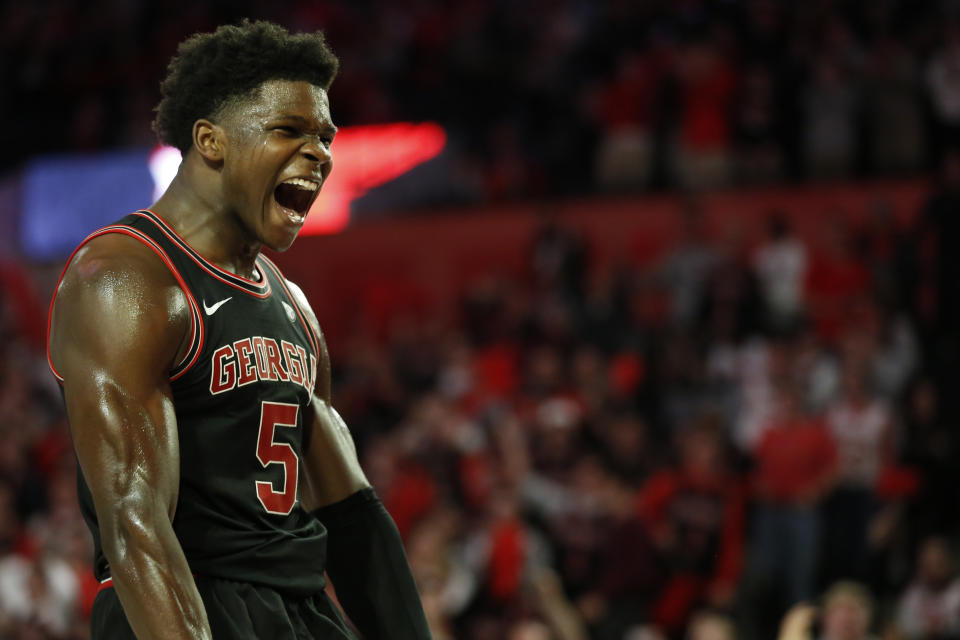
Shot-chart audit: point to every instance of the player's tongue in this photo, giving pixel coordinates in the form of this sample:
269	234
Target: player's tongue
294	197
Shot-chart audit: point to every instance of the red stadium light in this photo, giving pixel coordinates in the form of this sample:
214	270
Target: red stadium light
364	157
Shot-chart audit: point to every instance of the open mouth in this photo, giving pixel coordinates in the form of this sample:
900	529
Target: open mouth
295	196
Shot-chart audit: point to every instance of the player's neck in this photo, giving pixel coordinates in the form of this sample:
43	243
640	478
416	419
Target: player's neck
207	226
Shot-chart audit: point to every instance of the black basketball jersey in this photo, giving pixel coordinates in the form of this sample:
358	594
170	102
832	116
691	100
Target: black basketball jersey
241	396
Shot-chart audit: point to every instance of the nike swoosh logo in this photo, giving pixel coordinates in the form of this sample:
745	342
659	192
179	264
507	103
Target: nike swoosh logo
213	308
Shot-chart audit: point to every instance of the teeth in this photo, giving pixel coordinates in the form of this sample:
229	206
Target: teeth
309	185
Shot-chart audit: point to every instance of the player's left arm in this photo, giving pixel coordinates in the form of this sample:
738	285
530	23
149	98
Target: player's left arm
365	557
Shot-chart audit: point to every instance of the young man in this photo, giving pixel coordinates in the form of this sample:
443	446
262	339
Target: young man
218	481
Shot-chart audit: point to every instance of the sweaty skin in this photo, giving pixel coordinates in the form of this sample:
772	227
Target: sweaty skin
120	322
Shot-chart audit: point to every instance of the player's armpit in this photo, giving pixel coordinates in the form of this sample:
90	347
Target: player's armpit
116	329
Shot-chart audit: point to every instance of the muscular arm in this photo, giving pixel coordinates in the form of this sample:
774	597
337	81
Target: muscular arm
119	323
365	558
332	468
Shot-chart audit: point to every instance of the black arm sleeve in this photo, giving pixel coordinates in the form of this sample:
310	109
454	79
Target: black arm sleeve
369	569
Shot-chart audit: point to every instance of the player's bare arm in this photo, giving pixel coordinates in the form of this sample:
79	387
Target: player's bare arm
366	560
332	469
119	324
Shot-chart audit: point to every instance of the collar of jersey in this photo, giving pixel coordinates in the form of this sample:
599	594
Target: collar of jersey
259	289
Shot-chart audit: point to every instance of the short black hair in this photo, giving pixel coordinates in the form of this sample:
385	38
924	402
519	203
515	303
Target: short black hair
212	69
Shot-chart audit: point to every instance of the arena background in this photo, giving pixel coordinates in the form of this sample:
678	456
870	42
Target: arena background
653	334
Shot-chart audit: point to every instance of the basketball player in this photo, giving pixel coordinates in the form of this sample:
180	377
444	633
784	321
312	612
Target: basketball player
218	481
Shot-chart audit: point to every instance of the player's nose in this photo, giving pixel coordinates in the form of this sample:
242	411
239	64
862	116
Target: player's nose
316	151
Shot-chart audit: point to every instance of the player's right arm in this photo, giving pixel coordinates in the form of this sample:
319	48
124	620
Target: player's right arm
119	323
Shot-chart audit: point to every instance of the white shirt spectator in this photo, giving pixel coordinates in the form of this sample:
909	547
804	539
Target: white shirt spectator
924	611
781	267
943	78
861	432
45	592
896	360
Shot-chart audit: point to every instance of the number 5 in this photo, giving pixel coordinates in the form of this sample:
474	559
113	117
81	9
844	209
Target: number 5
273	415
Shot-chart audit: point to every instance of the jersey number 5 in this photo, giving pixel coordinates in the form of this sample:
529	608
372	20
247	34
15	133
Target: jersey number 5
273	415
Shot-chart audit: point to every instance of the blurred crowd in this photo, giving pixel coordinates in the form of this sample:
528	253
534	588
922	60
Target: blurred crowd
679	450
687	449
541	98
682	450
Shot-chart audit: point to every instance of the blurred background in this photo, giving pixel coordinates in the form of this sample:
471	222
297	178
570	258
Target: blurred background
656	341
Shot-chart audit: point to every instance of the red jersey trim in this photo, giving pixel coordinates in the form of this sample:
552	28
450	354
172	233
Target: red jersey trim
106	583
314	339
257	289
196	322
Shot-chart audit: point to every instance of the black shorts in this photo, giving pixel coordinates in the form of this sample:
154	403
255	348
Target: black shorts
238	611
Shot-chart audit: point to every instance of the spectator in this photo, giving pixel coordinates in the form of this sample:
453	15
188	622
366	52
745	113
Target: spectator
930	448
861	426
759	364
39	590
624	107
796	466
758	124
631	572
829	132
695	513
943	85
711	626
446	581
937	305
558	259
702	147
895	126
929	608
836	281
847	611
798	623
781	267
885	245
529	630
687	266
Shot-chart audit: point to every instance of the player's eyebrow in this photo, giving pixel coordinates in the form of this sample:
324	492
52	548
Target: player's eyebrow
307	122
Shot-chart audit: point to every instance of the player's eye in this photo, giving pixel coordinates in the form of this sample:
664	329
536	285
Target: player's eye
289	131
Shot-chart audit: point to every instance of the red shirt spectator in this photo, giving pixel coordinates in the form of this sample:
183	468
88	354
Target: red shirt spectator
796	459
836	278
695	513
708	81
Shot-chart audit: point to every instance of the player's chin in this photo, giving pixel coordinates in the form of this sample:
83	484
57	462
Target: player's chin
283	226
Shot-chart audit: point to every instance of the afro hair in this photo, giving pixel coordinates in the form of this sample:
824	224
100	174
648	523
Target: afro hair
212	69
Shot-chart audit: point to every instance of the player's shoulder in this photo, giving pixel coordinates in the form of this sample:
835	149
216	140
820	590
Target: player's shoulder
301	299
116	291
298	295
113	272
118	259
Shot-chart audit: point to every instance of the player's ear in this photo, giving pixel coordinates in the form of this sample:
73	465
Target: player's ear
209	140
